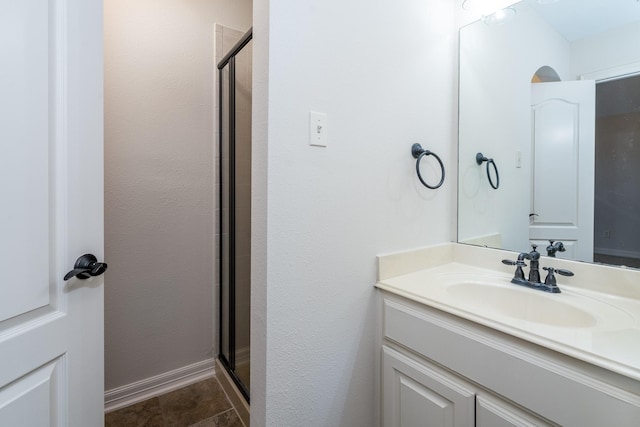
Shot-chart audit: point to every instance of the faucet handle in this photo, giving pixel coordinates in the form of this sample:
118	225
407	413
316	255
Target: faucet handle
551	278
534	255
563	272
519	274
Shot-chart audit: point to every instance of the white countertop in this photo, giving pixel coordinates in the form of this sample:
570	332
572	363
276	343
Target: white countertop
584	321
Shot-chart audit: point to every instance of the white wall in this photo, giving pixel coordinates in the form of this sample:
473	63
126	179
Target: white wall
384	72
602	51
497	64
159	182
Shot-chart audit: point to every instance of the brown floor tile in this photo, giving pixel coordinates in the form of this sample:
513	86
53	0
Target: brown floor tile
193	403
226	419
143	414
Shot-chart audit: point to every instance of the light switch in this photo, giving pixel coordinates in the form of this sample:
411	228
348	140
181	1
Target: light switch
317	129
518	158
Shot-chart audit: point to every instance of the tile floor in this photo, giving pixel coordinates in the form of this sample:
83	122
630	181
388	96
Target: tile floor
202	404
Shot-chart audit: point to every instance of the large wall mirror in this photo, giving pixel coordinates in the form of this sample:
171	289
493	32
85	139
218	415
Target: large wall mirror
552	96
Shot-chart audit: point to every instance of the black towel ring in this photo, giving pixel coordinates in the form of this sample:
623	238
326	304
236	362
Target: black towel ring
480	159
418	153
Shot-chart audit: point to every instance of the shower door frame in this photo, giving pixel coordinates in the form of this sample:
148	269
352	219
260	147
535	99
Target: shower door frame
229	59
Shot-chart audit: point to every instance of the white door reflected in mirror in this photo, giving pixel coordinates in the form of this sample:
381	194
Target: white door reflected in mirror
563	122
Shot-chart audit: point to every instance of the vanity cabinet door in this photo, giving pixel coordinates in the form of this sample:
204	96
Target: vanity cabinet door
492	411
417	394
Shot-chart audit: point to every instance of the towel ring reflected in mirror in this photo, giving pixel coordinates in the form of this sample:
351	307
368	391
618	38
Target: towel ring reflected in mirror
480	158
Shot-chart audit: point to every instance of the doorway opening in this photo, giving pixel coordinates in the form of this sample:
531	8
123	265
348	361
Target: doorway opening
617	201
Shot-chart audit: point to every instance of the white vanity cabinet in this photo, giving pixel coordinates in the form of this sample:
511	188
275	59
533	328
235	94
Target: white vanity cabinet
438	369
417	393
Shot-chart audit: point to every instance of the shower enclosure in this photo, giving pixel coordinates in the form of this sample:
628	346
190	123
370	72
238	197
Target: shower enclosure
234	91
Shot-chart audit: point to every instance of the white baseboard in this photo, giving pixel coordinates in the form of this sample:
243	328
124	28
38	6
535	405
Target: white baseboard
160	384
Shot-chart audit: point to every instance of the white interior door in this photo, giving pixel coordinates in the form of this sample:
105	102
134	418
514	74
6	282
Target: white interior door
51	212
563	148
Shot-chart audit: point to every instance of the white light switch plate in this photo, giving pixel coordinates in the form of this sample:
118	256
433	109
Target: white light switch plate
317	129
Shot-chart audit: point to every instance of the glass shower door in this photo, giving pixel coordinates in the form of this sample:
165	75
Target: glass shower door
235	212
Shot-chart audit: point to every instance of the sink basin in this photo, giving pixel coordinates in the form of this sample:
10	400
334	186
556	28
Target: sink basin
523	304
487	295
595	318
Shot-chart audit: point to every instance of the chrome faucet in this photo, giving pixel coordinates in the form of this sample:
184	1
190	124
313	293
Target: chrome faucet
533	282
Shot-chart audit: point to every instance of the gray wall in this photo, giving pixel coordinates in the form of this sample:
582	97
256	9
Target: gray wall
617	201
159	136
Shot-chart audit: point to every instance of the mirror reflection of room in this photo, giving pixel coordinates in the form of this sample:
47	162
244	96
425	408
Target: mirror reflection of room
617	175
553	91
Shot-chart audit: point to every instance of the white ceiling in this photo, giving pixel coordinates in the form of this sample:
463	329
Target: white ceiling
576	19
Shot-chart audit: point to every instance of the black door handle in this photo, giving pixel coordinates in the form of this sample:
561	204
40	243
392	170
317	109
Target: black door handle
86	266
